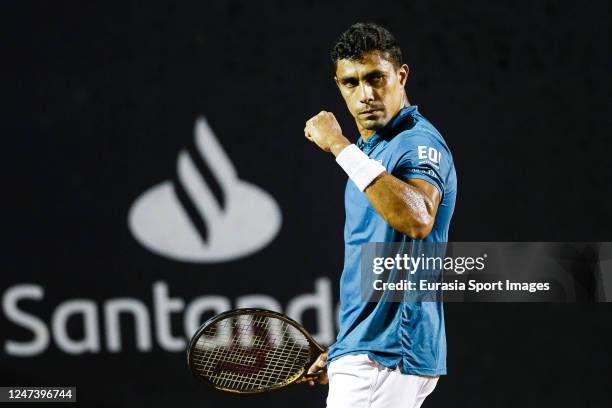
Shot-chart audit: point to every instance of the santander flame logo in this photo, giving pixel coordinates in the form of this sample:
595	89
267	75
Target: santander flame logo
206	214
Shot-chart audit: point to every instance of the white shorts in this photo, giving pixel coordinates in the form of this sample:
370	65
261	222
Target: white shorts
356	381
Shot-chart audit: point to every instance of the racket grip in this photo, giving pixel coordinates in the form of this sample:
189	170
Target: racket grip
316	374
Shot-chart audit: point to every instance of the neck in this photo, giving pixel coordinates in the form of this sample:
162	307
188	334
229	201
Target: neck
365	133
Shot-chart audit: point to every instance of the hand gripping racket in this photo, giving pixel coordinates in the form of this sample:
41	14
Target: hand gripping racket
249	351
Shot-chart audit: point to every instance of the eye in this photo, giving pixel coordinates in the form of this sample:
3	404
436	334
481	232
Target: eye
377	78
350	83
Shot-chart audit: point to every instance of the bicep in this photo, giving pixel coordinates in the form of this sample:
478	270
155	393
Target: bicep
428	191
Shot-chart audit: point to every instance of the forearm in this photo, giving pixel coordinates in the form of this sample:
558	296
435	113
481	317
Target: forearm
403	206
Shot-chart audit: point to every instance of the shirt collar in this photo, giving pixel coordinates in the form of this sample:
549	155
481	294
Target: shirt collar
387	130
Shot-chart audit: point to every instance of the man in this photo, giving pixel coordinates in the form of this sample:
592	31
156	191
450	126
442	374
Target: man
401	188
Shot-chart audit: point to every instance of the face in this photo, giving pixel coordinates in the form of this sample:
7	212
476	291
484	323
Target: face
372	88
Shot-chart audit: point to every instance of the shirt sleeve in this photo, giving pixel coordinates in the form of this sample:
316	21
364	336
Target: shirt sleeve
421	157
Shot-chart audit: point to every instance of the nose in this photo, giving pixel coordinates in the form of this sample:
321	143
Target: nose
366	93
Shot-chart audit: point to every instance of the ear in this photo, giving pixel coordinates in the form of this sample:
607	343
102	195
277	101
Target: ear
336	81
402	74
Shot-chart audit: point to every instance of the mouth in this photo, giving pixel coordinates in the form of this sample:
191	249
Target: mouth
369	111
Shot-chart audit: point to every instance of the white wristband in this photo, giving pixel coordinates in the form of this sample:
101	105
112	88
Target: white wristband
359	167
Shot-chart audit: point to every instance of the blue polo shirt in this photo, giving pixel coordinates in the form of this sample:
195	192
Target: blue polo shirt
392	332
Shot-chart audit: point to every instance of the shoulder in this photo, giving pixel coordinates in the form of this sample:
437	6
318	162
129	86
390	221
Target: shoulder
415	139
421	136
420	147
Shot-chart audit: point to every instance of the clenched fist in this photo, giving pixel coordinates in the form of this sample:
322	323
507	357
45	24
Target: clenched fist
324	130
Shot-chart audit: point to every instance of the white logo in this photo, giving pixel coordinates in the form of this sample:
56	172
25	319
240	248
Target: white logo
429	153
245	221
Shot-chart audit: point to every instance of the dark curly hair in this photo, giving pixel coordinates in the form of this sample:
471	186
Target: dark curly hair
361	38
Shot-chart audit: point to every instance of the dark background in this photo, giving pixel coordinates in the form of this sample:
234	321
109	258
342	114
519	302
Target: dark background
100	98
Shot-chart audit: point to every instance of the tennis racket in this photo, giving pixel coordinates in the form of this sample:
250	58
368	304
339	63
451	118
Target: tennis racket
249	351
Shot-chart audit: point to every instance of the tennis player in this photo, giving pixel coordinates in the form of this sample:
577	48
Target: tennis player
402	187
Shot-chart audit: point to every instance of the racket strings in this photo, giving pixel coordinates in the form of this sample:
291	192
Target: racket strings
250	353
233	377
